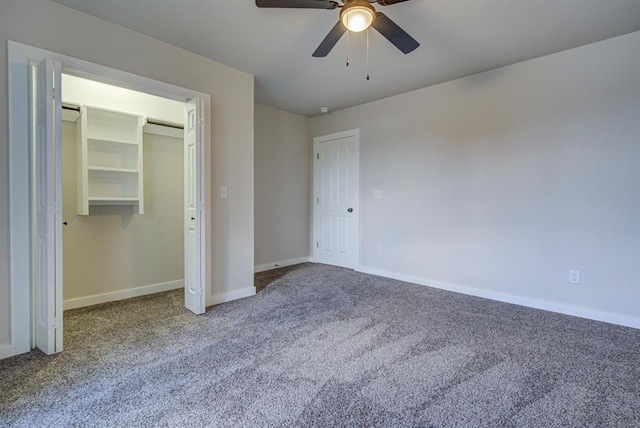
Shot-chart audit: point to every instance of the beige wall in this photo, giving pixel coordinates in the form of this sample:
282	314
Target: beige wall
282	185
54	27
506	180
112	249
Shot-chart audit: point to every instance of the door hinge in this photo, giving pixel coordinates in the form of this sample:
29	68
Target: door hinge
317	244
317	200
318	156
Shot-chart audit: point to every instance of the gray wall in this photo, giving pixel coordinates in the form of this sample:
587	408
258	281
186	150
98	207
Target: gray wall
48	25
282	185
112	249
506	180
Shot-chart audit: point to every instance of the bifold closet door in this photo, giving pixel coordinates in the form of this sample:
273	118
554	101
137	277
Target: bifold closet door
193	212
47	187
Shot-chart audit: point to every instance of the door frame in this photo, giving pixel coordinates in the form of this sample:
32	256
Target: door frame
20	263
355	133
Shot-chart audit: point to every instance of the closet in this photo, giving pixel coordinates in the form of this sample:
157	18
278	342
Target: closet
123	193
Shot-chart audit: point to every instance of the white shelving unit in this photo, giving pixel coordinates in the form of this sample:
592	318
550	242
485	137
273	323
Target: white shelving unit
109	159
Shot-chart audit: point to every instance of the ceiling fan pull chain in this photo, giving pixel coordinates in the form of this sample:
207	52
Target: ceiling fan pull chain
347	48
367	54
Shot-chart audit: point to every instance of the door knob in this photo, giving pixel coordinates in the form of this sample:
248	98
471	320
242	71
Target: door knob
65	223
193	218
350	210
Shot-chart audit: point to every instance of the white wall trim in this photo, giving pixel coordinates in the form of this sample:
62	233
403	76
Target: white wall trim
561	308
216	299
284	263
19	223
96	299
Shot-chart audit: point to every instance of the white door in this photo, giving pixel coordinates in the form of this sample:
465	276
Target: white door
193	201
47	242
336	205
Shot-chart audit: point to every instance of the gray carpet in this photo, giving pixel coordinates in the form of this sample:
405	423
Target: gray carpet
327	347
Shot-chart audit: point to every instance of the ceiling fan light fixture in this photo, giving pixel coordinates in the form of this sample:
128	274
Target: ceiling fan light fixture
357	16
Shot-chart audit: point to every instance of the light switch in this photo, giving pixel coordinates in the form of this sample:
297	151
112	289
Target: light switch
377	194
223	192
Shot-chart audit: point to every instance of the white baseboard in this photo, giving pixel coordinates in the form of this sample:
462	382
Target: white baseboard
6	351
95	299
216	299
561	308
276	265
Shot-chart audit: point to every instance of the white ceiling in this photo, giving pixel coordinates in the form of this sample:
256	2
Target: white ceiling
458	38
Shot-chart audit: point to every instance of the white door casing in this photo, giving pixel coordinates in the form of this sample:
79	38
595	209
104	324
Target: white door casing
193	203
47	187
336	199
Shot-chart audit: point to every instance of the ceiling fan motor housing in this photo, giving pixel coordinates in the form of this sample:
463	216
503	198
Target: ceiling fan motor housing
353	5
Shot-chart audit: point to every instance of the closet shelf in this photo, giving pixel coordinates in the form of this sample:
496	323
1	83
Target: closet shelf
93	139
110	169
104	200
112	199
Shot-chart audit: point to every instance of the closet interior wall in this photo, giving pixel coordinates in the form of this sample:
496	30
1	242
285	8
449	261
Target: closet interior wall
114	252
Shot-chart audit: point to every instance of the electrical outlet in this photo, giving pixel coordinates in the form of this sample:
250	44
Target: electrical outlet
377	194
379	249
574	276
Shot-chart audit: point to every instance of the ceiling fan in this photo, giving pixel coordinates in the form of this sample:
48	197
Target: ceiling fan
355	16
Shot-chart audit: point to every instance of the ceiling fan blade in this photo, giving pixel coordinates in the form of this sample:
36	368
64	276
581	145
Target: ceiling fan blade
389	2
303	4
396	35
330	41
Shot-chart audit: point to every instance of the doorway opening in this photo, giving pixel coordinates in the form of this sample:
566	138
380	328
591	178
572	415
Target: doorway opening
36	187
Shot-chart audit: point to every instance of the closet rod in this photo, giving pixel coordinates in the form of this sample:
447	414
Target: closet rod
161	123
73	107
